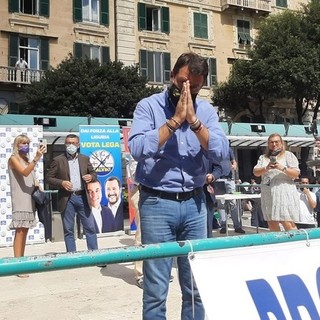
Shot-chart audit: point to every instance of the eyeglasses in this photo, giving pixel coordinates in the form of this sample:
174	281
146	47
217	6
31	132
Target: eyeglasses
275	142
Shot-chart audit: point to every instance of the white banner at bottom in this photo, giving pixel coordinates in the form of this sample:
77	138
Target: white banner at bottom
269	282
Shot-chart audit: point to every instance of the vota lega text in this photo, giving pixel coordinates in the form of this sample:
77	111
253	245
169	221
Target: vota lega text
94	144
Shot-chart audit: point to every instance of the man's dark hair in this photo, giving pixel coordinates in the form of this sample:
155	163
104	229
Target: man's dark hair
114	178
71	136
197	65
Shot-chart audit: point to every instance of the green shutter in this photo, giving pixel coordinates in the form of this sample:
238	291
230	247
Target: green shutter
105	54
105	12
44	9
197	24
200	25
44	54
204	26
13	5
213	71
77	10
143	63
77	50
142	19
166	67
13	49
165	21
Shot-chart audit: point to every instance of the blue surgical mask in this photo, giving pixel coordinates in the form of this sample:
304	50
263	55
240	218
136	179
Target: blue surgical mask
24	149
71	149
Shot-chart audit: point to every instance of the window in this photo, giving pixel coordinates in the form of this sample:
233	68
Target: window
153	18
92	52
95	11
34	50
33	7
200	25
212	74
282	3
155	66
243	28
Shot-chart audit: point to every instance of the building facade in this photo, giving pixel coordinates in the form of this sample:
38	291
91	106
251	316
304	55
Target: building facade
152	33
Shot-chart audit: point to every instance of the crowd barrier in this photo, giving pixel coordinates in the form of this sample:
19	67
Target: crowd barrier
80	259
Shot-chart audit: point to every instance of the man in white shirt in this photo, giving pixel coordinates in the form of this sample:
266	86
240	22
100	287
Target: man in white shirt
22	65
307	204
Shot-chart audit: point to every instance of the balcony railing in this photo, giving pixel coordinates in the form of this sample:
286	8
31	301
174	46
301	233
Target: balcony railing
19	76
260	5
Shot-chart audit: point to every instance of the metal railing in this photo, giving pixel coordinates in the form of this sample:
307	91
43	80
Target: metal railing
19	76
261	5
51	262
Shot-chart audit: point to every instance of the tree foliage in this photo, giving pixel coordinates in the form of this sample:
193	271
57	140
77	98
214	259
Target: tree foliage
284	62
83	87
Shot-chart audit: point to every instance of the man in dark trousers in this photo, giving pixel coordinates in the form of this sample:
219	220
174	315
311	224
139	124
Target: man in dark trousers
69	173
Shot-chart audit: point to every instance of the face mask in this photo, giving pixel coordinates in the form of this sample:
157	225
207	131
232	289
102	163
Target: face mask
24	149
71	149
175	92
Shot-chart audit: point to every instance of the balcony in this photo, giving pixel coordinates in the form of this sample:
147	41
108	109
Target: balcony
19	76
263	6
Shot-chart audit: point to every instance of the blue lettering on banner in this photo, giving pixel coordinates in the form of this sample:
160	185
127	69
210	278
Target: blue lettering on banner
295	292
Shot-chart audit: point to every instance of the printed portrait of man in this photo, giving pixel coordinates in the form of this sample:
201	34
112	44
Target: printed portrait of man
113	193
104	219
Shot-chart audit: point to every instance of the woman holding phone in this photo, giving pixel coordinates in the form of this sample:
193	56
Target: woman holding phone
278	169
22	184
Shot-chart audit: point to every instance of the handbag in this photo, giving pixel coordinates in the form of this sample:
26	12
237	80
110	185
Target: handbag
40	197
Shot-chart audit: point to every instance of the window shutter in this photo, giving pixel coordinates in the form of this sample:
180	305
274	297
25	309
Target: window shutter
213	71
165	21
44	54
142	19
77	49
196	24
105	55
166	67
204	26
13	5
77	10
143	63
104	12
13	49
44	9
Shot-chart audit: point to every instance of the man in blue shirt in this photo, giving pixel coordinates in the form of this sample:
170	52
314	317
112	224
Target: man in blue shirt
230	165
173	137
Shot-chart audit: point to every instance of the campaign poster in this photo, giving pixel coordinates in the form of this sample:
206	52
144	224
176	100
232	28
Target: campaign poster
102	144
275	281
129	177
7	136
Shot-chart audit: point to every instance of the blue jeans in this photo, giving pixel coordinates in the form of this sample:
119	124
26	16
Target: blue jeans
168	221
78	205
229	205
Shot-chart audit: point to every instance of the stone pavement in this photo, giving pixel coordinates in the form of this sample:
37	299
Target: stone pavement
89	293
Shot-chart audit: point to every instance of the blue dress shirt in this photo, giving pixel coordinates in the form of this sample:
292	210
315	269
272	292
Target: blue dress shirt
180	164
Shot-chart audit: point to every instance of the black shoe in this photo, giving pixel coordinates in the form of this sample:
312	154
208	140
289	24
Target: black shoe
139	283
239	230
223	230
101	265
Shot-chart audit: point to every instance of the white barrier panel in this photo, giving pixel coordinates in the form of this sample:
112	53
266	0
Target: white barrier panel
266	282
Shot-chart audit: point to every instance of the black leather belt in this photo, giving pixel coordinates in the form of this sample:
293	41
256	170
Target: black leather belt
175	196
78	192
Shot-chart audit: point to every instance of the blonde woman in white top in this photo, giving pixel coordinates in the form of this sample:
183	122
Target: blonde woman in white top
278	169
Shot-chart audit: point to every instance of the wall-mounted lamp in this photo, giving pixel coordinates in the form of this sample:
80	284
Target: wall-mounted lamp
258	128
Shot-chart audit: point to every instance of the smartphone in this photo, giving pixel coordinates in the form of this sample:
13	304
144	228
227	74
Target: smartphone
273	159
43	142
